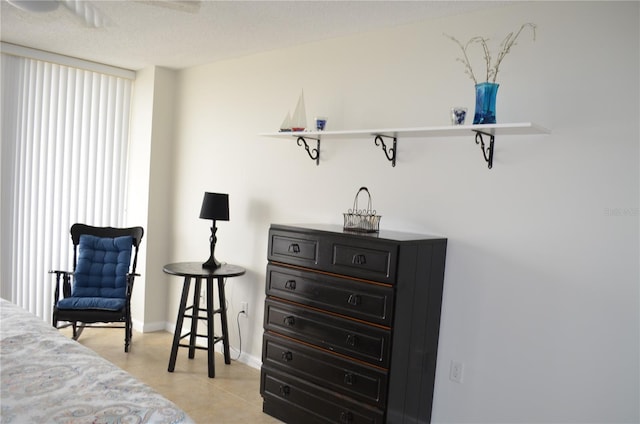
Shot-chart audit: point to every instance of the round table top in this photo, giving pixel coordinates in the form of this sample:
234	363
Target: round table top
195	269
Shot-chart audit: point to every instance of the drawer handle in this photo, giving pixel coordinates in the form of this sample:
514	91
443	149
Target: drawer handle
359	259
290	284
346	417
287	356
354	299
352	340
294	248
290	321
285	390
349	379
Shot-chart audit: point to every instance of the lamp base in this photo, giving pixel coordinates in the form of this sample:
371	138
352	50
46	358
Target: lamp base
212	263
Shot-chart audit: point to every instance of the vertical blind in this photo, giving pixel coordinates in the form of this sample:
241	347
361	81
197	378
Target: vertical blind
65	135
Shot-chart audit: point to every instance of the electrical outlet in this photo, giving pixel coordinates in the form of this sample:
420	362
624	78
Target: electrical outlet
244	308
455	372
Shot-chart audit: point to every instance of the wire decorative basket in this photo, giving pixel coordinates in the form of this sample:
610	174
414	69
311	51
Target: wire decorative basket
362	220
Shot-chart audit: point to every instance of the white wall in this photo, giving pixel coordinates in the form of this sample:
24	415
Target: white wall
541	289
160	197
150	194
137	213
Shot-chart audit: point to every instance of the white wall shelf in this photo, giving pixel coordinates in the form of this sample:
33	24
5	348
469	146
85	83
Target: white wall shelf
480	131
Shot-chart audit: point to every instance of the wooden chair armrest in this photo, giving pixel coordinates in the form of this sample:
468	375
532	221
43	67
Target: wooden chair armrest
59	272
130	278
66	284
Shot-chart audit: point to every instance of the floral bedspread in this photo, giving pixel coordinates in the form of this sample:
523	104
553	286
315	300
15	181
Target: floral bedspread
48	378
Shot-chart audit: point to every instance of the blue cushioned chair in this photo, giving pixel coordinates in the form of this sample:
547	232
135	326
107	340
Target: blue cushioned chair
104	263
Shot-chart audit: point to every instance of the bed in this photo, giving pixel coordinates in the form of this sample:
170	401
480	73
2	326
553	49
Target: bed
48	378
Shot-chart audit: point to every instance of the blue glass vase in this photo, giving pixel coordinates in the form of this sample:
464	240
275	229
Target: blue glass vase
486	103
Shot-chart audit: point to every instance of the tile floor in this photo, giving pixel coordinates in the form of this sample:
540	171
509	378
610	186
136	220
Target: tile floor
233	396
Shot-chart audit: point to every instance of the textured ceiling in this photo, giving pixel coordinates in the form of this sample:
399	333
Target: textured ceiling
177	34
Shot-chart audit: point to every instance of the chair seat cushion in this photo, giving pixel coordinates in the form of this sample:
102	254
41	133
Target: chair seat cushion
102	303
103	264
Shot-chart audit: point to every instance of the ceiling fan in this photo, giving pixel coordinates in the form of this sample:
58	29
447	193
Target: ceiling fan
90	14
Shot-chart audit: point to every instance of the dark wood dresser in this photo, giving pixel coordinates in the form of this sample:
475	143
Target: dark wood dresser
351	325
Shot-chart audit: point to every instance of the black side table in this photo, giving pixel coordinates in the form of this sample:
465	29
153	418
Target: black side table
190	270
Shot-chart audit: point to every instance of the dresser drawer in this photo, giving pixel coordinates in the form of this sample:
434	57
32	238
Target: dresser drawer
294	248
359	340
368	259
294	400
353	298
361	382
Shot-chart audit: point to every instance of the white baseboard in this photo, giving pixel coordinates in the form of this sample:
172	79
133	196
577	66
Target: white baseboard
148	327
244	358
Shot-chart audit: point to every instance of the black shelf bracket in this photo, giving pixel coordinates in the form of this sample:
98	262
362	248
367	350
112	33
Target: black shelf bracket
487	152
389	153
314	154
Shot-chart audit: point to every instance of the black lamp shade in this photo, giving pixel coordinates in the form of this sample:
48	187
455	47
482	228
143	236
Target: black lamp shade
215	206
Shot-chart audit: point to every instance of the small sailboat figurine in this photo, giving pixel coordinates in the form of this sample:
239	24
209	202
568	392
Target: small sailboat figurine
299	119
286	124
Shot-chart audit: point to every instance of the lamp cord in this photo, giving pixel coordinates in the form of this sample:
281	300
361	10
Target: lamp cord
239	336
238	323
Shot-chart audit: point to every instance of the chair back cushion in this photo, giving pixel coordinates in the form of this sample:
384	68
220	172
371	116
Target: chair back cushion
103	264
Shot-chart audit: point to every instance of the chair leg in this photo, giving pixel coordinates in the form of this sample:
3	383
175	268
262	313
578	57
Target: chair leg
77	330
127	335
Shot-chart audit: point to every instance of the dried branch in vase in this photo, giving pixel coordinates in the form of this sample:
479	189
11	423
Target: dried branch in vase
491	70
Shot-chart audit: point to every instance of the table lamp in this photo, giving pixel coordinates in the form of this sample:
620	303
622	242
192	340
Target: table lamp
215	206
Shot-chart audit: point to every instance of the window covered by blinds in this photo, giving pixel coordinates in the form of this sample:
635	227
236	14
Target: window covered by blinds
65	133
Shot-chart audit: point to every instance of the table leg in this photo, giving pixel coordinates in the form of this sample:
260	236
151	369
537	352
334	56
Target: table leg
194	318
210	333
223	319
179	320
